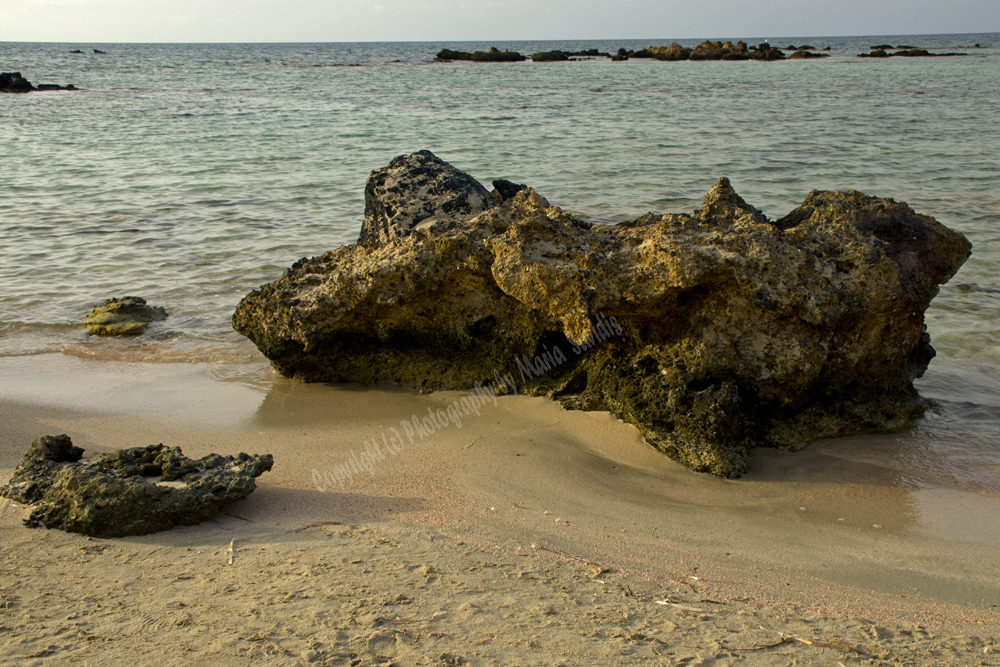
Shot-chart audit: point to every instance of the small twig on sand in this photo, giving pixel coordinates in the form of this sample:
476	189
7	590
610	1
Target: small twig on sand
585	561
231	551
681	606
785	639
314	525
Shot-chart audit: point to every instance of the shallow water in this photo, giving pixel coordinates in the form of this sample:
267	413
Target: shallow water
190	174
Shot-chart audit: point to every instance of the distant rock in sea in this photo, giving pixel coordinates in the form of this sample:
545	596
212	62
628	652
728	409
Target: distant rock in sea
713	332
710	51
800	55
13	82
910	53
494	55
558	56
128	492
127	316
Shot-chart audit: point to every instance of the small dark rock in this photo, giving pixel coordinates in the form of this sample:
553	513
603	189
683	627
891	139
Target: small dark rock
766	52
506	189
98	51
75	51
110	495
127	316
448	54
801	55
881	47
495	55
550	56
13	82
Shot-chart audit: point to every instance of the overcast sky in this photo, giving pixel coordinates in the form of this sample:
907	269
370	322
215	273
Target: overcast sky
456	20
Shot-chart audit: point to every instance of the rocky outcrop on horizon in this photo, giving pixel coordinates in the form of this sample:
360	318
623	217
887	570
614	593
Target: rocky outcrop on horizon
128	492
13	82
712	332
879	52
494	55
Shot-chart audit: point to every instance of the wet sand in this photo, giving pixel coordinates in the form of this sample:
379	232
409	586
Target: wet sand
530	535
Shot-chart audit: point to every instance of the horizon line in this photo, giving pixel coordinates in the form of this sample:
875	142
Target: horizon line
463	41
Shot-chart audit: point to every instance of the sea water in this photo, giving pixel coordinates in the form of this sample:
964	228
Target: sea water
190	174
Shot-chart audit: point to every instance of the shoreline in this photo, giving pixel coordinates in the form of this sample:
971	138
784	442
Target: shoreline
581	487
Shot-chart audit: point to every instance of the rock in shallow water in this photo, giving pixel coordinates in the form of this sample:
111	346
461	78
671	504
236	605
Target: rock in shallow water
111	496
127	316
713	332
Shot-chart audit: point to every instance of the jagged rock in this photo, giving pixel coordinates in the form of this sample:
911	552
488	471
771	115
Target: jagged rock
713	332
505	190
802	55
718	51
127	316
764	51
673	52
417	191
129	492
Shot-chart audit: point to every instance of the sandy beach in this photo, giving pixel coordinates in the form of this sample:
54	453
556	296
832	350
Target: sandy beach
530	535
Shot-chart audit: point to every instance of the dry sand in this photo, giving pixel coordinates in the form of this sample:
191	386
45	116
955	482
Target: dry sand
530	536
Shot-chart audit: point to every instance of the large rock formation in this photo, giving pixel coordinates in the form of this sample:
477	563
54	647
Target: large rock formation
129	492
713	332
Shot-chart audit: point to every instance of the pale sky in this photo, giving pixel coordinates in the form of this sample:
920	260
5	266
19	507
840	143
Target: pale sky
95	21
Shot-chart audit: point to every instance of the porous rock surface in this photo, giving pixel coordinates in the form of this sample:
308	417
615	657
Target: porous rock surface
713	332
129	492
125	316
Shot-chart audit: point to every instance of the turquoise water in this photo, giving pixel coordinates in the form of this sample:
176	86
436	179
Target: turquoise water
190	174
